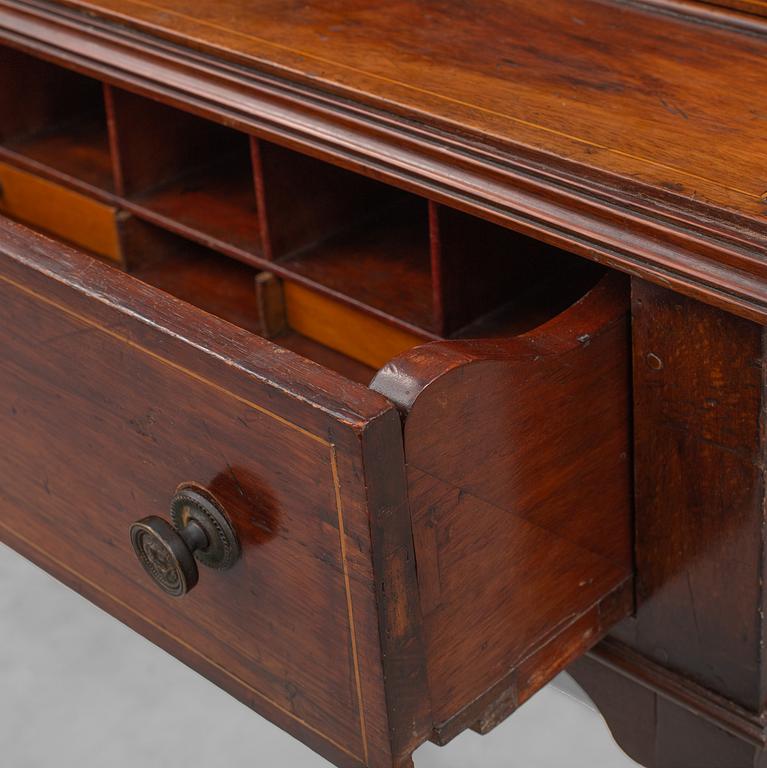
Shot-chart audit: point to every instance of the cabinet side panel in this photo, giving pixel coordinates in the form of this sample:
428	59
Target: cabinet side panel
698	390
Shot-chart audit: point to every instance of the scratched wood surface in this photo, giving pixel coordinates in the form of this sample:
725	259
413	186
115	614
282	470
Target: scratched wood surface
699	402
683	683
617	86
104	414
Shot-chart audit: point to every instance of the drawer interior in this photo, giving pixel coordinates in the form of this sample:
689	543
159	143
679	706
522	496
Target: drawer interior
340	267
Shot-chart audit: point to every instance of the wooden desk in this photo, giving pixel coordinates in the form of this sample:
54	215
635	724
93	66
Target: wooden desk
435	330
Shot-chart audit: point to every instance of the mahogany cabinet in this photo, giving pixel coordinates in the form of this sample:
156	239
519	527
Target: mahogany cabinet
380	364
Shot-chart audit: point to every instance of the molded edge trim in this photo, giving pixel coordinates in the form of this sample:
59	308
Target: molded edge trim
711	254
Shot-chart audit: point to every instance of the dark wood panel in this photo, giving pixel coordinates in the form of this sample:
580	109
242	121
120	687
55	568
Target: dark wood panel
54	117
380	262
216	205
477	267
304	202
219	285
189	172
105	430
492	281
699	400
519	480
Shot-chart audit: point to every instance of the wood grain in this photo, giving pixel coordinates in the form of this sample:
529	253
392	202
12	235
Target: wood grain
293	628
345	329
519	481
224	287
682	684
568	88
59	211
699	401
180	168
652	224
609	129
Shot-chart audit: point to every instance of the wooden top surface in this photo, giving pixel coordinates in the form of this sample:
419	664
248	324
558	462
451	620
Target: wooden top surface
632	133
676	103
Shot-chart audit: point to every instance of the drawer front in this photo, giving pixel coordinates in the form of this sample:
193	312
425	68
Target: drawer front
62	212
112	394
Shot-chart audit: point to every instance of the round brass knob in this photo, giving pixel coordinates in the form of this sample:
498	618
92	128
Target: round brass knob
201	530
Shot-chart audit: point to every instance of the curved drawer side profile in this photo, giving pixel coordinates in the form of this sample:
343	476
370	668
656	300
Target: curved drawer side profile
519	481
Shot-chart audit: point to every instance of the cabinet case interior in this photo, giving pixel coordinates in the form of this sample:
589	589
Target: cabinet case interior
420	555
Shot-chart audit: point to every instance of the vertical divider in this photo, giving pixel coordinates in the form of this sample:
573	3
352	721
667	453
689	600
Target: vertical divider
174	143
189	174
437	271
259	188
114	146
124	219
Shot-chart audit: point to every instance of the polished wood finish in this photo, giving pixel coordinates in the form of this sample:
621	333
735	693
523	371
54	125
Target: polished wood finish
428	270
610	171
682	684
413	173
496	534
505	98
699	399
319	625
293	628
225	288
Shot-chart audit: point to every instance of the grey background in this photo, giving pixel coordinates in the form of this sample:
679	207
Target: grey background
79	689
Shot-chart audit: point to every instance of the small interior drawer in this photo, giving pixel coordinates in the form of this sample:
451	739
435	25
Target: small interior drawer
415	421
59	211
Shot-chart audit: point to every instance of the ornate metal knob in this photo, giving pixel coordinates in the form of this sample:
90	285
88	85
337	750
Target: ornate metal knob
201	530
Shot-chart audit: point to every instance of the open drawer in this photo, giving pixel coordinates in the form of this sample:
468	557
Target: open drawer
381	597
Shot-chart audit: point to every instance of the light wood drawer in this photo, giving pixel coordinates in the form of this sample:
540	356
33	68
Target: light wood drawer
60	211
